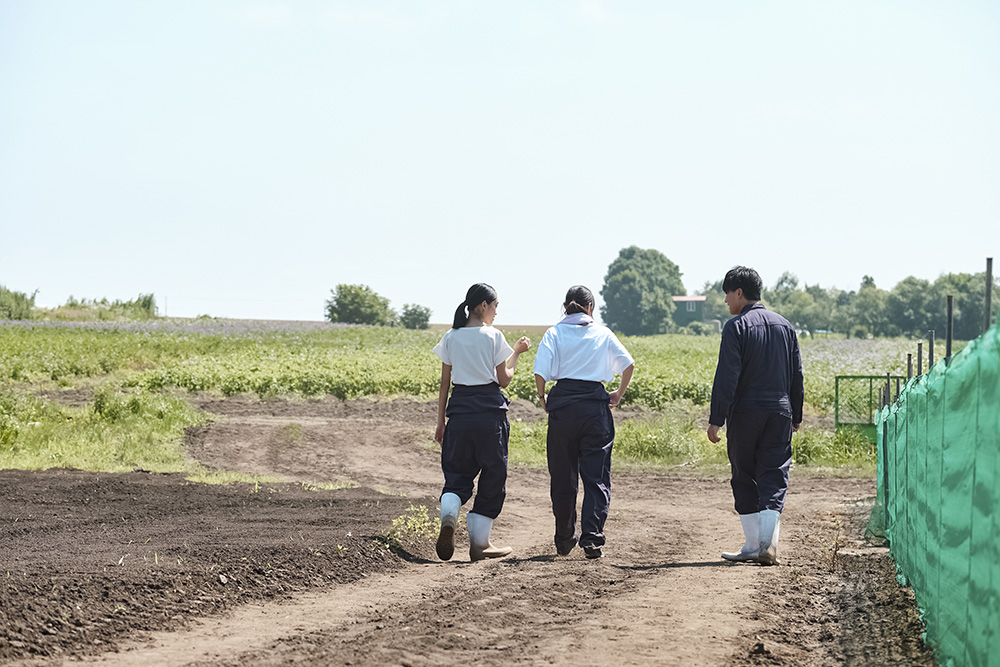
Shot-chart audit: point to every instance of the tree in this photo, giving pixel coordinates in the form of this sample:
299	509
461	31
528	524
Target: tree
800	309
868	310
907	304
358	304
638	292
786	286
16	305
968	307
414	316
715	302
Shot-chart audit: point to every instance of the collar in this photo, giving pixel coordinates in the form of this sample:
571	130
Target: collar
751	306
581	319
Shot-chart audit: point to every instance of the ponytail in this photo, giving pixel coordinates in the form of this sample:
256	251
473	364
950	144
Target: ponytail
476	295
578	300
461	317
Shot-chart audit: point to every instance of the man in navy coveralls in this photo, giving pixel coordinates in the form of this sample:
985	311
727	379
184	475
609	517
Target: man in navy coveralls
758	391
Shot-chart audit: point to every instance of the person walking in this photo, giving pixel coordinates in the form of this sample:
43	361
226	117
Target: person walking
476	362
758	392
580	355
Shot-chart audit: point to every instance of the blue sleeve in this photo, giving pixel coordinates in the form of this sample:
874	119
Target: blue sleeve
727	375
797	391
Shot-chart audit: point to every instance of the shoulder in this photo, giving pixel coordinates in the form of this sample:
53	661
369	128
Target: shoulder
602	332
732	324
491	331
774	318
495	335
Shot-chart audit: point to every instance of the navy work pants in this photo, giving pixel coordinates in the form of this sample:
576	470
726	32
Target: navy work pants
476	446
578	445
760	453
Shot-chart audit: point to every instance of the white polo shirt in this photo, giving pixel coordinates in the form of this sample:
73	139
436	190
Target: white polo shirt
473	354
580	352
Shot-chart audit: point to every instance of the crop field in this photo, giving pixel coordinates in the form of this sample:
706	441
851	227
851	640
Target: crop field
316	439
135	371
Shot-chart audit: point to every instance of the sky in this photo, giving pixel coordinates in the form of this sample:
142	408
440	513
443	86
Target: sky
242	159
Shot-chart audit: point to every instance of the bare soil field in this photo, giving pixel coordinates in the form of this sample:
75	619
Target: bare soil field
148	569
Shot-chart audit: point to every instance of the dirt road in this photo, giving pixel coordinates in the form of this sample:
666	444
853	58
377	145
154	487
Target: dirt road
307	579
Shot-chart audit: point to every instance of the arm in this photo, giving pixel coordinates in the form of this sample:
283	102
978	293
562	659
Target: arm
727	376
505	371
616	395
442	401
540	390
797	393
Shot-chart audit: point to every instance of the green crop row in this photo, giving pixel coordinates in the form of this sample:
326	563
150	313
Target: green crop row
350	362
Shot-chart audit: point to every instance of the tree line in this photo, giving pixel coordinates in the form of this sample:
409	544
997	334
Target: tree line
911	308
640	284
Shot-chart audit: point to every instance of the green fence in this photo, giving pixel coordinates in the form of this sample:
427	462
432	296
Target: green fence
939	496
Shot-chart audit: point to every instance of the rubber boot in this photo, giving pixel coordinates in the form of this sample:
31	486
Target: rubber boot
770	525
480	546
450	503
751	546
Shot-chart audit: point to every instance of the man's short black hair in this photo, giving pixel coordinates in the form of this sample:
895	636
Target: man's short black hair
742	277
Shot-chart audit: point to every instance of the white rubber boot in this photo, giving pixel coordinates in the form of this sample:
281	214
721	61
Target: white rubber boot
480	546
770	526
751	545
450	503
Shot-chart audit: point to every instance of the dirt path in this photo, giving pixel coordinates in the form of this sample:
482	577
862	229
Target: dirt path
660	596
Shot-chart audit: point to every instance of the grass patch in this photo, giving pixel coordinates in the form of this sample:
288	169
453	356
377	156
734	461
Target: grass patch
823	448
204	476
117	433
416	524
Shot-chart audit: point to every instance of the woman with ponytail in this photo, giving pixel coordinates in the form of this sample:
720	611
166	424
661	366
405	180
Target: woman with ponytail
580	355
476	362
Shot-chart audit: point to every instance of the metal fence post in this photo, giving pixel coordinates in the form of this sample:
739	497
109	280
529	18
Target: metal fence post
909	366
920	358
989	291
947	345
930	348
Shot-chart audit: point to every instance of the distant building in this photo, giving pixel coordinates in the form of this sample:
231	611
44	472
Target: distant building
688	309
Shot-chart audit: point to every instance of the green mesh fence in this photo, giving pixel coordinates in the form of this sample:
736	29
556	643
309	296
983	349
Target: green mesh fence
938	497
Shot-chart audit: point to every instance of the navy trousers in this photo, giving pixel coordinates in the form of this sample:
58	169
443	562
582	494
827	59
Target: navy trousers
579	441
475	444
759	445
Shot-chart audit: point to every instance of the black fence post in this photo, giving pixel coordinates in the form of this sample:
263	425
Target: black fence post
930	348
947	345
920	358
909	366
989	291
885	476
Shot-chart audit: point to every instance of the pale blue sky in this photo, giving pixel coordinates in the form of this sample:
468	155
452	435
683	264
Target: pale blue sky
240	159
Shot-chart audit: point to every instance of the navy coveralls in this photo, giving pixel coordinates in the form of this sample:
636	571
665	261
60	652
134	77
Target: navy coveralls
758	391
475	443
578	446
